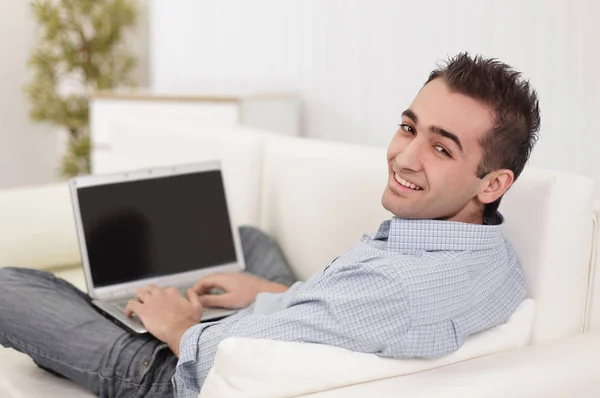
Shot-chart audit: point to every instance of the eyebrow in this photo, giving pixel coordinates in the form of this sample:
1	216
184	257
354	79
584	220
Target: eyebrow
409	113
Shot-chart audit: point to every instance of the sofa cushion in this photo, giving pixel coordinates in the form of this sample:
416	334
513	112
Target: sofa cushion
565	368
550	225
320	197
21	378
74	275
37	227
262	368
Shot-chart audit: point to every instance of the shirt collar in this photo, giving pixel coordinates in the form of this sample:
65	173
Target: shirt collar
403	234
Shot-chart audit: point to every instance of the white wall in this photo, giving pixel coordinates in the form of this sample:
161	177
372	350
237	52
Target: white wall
358	63
29	152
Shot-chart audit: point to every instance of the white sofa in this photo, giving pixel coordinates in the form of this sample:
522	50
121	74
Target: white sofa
317	198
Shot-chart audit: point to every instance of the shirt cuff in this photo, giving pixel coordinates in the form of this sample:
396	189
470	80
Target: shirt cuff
188	346
188	353
179	389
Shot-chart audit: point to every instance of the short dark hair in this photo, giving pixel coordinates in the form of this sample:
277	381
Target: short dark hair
513	101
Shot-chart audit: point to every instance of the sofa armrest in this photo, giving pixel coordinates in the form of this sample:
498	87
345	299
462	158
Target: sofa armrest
37	227
565	368
245	367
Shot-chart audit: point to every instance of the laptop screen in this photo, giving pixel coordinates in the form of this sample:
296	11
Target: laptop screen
154	227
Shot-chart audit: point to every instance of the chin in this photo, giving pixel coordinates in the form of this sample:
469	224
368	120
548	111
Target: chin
385	201
398	211
394	205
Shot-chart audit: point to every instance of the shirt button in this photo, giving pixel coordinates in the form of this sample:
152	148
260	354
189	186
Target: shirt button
145	363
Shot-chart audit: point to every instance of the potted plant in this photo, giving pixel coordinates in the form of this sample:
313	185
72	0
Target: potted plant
81	49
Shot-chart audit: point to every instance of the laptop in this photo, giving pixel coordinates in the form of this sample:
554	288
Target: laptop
168	226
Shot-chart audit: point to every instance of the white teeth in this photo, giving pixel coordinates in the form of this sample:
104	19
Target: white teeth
407	183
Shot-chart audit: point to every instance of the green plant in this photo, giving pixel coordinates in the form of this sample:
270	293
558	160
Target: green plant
80	49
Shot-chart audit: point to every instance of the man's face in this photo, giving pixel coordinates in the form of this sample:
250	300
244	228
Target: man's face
436	152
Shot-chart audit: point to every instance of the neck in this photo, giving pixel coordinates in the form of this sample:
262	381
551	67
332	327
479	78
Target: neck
472	213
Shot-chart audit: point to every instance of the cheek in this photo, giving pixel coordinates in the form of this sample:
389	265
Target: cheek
454	180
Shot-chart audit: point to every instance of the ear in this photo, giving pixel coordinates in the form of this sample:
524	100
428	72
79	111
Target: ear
494	185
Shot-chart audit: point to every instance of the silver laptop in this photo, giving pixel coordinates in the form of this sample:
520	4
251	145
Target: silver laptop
169	226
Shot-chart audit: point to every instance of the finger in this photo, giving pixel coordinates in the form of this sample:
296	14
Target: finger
141	294
193	298
204	285
132	306
172	290
216	300
152	289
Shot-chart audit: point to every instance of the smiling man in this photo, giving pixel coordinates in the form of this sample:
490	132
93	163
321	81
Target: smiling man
440	158
437	272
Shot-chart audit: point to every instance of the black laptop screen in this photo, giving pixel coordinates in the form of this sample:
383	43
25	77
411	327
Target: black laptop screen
154	227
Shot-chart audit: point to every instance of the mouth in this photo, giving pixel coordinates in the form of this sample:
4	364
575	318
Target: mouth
406	183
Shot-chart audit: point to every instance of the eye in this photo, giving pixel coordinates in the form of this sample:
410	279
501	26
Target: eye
442	150
407	128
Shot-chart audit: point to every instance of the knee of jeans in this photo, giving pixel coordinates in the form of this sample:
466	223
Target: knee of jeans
248	233
8	272
12	276
9	279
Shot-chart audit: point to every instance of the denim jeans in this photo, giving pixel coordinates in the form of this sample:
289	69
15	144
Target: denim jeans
54	323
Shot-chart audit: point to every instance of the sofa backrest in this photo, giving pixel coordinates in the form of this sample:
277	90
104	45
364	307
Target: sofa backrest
549	223
37	227
140	144
319	197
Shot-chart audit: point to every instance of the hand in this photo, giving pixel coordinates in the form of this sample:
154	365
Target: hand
240	289
165	313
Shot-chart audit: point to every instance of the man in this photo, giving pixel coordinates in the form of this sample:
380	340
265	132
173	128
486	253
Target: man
437	272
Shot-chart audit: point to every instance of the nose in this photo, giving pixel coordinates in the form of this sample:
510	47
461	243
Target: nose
410	157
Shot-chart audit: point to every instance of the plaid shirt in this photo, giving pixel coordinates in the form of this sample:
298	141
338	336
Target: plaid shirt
417	288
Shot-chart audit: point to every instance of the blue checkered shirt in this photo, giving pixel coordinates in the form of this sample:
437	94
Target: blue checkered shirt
417	288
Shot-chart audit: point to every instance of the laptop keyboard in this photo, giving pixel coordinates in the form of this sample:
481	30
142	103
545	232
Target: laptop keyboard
123	302
207	313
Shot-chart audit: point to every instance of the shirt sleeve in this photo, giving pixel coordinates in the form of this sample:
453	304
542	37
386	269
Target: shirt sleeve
355	307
